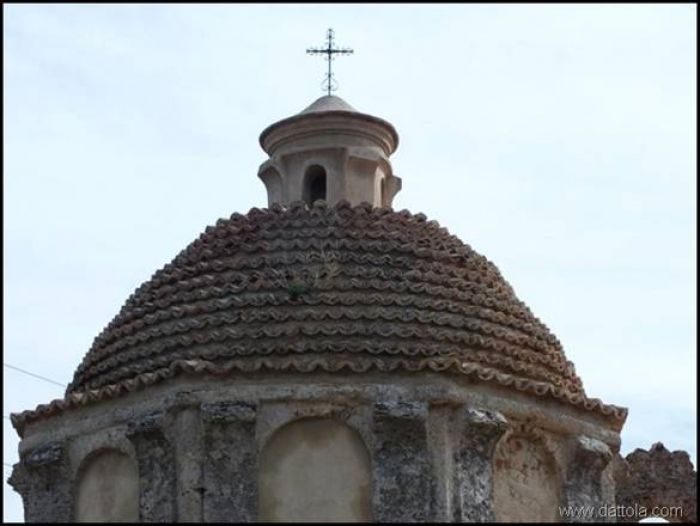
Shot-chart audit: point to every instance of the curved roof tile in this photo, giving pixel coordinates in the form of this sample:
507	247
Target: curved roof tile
330	288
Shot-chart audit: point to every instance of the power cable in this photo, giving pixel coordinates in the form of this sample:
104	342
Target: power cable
34	375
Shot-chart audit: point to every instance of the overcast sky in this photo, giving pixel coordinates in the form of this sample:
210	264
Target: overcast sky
558	141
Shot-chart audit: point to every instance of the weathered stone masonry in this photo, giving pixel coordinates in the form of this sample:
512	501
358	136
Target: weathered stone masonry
199	460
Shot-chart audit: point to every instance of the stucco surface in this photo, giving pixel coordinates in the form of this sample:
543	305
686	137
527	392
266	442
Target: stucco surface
352	147
525	482
108	489
315	470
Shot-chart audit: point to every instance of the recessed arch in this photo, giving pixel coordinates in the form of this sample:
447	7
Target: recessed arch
107	488
315	469
526	486
314	184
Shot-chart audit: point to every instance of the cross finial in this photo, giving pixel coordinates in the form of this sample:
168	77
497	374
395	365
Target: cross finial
329	51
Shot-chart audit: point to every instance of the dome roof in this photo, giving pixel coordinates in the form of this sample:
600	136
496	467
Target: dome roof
327	288
328	103
329	113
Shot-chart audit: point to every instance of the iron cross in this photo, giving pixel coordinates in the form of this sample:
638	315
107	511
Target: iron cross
329	51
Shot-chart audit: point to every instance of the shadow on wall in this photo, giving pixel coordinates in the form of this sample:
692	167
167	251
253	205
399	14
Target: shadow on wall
314	184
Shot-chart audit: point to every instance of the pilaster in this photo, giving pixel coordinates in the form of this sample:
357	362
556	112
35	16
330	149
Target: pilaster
403	491
156	461
230	462
474	473
43	478
583	487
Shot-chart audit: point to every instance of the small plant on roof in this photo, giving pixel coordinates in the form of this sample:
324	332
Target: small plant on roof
323	268
296	289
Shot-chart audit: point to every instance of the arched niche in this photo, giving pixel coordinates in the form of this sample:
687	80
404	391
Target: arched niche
315	469
315	184
526	487
107	488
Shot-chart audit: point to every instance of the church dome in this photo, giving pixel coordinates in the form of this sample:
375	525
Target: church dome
330	288
301	362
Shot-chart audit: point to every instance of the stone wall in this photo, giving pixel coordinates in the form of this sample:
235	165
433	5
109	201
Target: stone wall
656	478
235	452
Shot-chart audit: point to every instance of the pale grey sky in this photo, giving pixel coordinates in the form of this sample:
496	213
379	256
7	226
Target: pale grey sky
558	141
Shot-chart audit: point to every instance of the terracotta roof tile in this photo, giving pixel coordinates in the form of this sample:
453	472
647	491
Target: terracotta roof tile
330	288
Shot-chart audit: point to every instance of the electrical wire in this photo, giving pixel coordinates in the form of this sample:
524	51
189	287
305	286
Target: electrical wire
34	375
